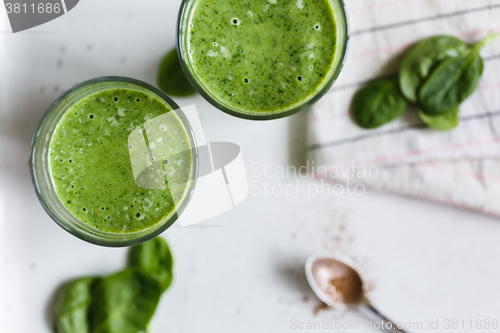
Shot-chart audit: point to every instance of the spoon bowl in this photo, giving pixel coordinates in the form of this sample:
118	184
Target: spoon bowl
336	280
339	282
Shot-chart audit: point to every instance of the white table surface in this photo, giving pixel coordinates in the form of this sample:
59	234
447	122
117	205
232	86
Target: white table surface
241	271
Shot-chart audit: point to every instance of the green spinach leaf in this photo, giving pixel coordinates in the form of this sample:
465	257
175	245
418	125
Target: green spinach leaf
423	58
123	302
378	103
171	78
155	258
453	80
442	122
72	304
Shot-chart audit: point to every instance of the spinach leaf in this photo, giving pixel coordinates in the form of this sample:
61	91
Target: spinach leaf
123	302
453	80
442	122
154	258
423	58
378	103
72	305
171	78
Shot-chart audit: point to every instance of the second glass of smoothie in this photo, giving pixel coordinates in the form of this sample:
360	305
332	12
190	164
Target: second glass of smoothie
262	59
114	161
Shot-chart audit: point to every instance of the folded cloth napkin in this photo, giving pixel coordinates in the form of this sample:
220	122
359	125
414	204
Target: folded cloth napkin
460	167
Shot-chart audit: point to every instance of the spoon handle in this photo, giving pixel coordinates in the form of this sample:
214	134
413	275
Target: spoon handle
384	318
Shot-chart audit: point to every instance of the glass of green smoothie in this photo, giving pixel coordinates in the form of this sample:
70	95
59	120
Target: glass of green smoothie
94	167
262	59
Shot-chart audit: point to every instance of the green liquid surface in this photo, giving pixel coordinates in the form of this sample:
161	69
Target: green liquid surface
91	167
262	56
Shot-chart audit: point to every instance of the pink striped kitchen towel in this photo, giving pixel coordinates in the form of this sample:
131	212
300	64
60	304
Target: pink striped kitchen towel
460	167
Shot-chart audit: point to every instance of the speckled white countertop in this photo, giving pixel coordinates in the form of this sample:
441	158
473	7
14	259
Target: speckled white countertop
241	271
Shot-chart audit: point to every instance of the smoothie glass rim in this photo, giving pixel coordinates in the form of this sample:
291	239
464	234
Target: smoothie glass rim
73	225
321	90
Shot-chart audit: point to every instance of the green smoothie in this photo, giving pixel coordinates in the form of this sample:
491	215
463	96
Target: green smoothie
262	56
90	162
